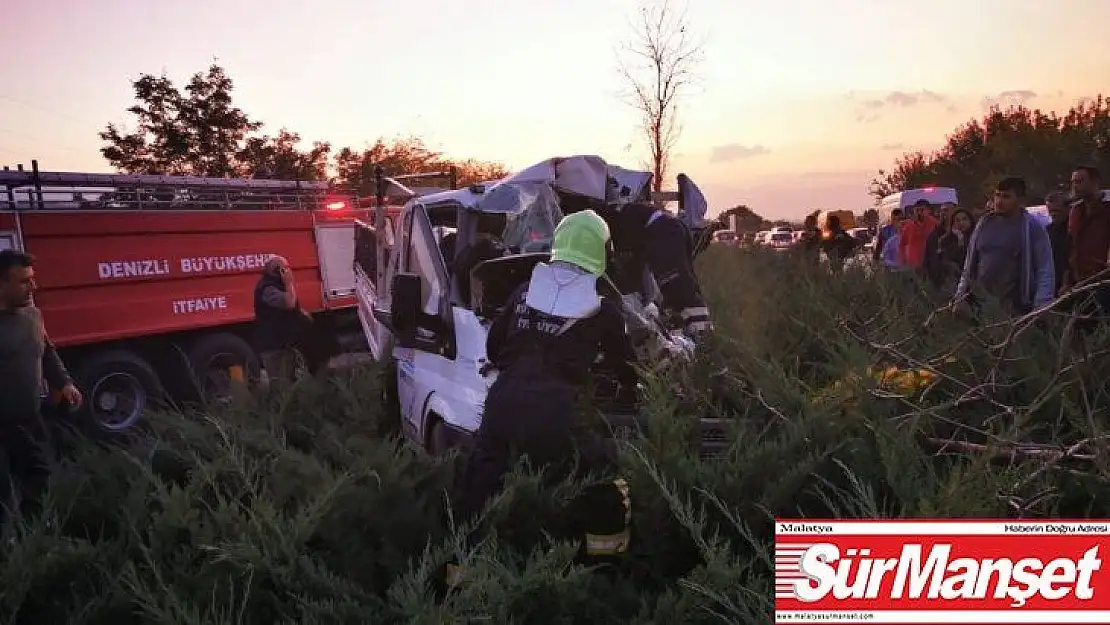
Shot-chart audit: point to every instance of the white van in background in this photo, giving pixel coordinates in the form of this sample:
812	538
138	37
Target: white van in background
936	196
1040	213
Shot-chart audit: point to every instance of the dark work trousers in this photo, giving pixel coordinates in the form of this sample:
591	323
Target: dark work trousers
527	413
531	413
315	346
26	450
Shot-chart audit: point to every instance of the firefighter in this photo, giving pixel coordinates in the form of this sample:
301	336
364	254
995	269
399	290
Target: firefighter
543	345
652	243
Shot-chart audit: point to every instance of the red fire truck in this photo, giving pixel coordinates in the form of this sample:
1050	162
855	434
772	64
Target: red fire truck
146	282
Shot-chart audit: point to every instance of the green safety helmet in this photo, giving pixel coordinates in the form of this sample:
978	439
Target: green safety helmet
581	239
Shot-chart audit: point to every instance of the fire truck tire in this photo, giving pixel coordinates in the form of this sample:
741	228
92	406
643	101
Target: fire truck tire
118	386
212	358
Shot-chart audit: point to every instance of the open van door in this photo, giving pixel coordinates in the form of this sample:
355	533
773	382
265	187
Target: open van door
366	270
692	208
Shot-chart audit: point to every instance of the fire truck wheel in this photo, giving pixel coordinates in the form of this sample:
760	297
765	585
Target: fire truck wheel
118	386
219	362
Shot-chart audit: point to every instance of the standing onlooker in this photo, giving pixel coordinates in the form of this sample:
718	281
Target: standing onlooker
1057	206
889	256
915	236
947	255
1008	255
839	245
929	264
886	233
284	329
1088	227
810	241
946	211
27	359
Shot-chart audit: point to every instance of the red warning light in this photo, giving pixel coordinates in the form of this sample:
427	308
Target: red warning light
335	206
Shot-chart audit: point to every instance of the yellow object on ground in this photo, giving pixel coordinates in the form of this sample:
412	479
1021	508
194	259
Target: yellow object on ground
906	382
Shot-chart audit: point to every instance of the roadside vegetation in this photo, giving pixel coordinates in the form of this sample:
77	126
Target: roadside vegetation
304	507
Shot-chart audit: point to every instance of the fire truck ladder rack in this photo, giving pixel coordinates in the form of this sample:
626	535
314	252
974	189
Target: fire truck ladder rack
47	190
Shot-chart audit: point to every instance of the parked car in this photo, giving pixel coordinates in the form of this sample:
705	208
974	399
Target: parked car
726	237
779	241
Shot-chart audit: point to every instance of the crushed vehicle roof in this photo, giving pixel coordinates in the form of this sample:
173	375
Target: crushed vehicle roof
585	175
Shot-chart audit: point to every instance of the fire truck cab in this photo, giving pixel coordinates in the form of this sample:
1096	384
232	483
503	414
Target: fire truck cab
146	283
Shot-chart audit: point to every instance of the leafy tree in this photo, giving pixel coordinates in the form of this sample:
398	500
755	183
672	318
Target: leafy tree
406	155
196	131
747	220
278	158
472	171
1043	147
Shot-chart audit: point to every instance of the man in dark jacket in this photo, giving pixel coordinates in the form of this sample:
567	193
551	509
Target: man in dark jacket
809	245
837	245
650	242
1058	208
1088	227
27	361
1088	243
282	328
544	345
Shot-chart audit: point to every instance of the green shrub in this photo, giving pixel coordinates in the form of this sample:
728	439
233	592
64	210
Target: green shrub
304	507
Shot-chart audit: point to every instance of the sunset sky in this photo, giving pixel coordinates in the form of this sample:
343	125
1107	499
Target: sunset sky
799	103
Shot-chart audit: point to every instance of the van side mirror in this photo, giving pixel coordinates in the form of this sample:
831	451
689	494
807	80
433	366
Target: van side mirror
405	306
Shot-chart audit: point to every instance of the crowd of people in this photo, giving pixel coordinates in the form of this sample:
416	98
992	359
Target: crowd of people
1000	251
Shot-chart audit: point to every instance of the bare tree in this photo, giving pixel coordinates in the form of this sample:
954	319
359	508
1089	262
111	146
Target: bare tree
658	66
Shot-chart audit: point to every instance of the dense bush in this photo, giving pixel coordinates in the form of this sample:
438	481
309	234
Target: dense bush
303	507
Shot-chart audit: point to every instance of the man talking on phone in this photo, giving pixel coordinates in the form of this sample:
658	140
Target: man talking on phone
284	330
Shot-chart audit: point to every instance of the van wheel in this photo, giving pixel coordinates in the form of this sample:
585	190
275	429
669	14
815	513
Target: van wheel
391	402
439	443
118	387
387	377
221	362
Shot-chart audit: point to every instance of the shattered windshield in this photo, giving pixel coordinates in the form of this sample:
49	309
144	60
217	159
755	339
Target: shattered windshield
531	210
